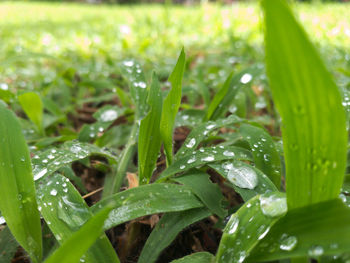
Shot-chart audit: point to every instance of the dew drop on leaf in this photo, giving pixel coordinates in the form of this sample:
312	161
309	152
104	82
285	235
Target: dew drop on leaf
232	225
315	251
228	153
246	78
191	143
288	243
243	177
273	205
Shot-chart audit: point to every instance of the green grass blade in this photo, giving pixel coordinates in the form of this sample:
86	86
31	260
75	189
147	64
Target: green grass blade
65	212
49	161
33	106
147	200
171	106
8	245
149	134
204	156
17	192
312	231
166	230
314	131
73	249
201	132
227	170
266	157
199	257
205	190
249	225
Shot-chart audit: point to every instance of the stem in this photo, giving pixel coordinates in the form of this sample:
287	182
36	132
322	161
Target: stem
113	185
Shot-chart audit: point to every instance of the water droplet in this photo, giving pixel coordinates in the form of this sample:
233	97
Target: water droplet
229	153
128	63
315	251
273	205
208	158
50	156
263	234
246	78
109	115
53	192
288	243
232	225
182	167
192	160
191	143
243	177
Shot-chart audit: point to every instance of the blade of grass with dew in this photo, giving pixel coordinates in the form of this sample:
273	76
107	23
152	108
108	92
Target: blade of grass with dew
199	257
247	180
204	156
8	245
33	106
49	161
250	224
315	230
208	192
73	249
149	135
65	212
266	157
166	230
171	106
147	200
309	102
201	132
224	97
17	191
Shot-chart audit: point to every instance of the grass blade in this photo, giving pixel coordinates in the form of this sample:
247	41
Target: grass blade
65	212
149	135
200	257
73	249
17	192
171	106
33	106
249	225
166	230
315	230
266	157
147	200
314	123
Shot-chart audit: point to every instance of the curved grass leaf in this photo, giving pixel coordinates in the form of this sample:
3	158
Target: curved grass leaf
49	161
17	191
201	132
73	249
149	134
247	176
266	157
166	230
65	212
8	245
309	102
147	200
250	224
33	106
204	156
208	192
199	257
315	230
171	106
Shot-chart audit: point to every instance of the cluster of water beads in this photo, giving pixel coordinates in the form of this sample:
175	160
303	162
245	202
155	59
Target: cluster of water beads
241	175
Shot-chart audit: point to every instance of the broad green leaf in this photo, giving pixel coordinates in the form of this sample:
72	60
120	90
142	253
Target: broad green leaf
32	105
138	87
250	224
166	230
147	200
149	134
205	190
201	132
8	245
17	192
73	249
171	106
313	231
244	178
204	156
266	157
199	257
49	161
309	102
65	212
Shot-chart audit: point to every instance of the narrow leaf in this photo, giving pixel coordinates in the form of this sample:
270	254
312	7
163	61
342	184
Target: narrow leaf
309	102
17	192
171	106
200	257
32	105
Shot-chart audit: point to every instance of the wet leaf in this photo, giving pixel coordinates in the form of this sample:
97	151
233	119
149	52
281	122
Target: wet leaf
199	257
32	105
